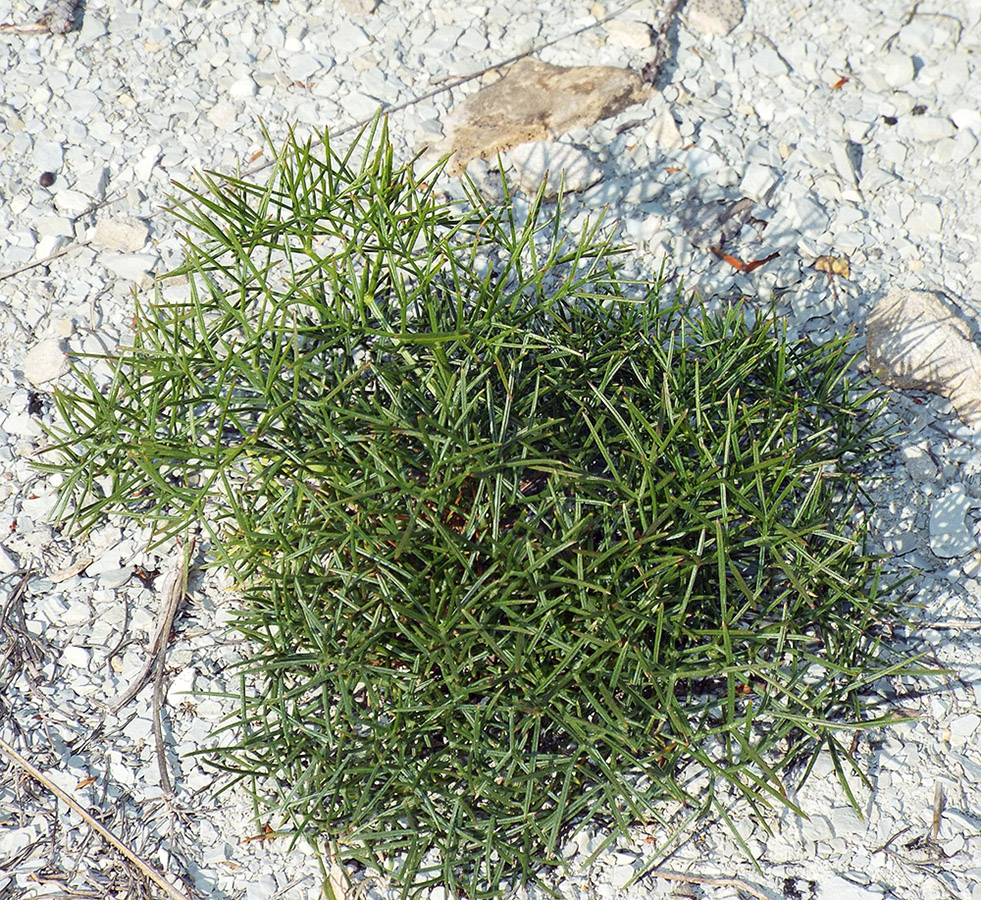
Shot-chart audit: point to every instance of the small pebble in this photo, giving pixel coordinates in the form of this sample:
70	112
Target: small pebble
45	363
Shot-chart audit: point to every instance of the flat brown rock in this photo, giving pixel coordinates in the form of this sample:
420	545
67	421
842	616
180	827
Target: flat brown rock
536	101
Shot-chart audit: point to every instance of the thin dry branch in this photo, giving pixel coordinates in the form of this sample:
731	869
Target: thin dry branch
153	874
57	17
715	881
174	587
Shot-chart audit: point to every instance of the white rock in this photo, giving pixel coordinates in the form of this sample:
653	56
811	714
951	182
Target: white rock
223	115
22	425
120	234
664	132
48	244
844	163
816	828
635	35
758	181
243	88
94	182
8	564
77	657
950	537
642	229
898	70
917	340
964	726
954	845
925	220
131	266
71	202
558	164
45	362
115	578
621	875
926	129
147	162
702	163
56	225
13	840
261	887
846	822
967	117
769	63
717	17
302	66
49	155
919	464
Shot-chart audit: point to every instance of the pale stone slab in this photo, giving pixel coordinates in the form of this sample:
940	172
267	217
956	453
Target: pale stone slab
918	340
536	101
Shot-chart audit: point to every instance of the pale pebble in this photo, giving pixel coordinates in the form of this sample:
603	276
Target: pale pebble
130	266
45	362
758	181
72	202
664	132
926	129
243	88
76	657
925	220
714	17
967	117
49	155
769	63
949	535
8	565
630	34
224	115
124	234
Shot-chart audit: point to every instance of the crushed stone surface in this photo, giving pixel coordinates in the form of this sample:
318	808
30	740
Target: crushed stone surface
826	129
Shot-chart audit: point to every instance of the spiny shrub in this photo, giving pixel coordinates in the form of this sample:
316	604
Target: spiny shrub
515	552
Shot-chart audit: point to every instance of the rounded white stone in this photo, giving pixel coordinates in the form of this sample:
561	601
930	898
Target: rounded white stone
244	88
45	362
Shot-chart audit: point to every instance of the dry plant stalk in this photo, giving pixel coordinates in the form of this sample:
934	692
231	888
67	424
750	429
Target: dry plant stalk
57	17
153	874
174	586
737	883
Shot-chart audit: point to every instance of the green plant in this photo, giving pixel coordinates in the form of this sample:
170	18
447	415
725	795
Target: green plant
515	551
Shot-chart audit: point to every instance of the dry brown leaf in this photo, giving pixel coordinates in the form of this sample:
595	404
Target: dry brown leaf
833	265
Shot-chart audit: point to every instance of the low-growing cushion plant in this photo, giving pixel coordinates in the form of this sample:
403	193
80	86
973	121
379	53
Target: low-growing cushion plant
519	546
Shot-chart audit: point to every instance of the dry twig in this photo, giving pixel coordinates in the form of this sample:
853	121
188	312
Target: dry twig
714	881
174	587
57	17
153	874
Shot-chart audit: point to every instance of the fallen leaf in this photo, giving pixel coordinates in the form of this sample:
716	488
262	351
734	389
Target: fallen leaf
833	265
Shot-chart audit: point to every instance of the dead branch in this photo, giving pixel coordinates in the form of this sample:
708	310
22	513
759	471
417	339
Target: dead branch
153	874
174	588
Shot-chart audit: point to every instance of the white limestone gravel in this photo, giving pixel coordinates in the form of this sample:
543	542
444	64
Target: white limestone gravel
853	129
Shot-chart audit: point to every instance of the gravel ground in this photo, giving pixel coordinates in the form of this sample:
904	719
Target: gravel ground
854	131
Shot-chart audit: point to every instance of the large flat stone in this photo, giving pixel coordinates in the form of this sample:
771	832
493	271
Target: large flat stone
536	101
